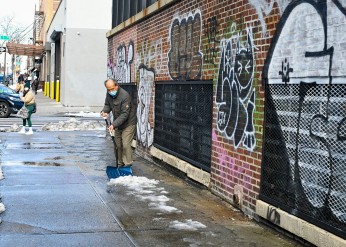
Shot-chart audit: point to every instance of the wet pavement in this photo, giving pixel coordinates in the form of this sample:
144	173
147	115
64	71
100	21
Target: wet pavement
56	194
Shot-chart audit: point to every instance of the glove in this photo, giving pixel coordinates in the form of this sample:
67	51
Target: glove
112	132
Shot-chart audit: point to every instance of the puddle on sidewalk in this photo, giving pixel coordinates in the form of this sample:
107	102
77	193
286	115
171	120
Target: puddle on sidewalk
33	145
29	163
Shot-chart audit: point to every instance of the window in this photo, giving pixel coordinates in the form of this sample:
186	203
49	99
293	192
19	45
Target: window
125	9
183	120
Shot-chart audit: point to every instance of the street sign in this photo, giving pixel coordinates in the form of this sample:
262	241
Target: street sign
4	37
2	49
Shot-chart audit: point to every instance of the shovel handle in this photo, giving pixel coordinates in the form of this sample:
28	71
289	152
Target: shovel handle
115	145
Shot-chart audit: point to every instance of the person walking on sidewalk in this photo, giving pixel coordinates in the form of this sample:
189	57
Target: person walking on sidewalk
35	84
29	100
119	102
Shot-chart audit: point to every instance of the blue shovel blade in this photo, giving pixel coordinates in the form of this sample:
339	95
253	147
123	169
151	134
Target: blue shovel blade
115	172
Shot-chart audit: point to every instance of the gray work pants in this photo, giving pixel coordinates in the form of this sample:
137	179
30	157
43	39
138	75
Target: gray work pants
123	139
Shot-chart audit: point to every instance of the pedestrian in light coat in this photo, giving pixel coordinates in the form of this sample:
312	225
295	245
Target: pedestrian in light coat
29	100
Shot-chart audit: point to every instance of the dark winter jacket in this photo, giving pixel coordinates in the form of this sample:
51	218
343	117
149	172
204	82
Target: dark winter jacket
123	109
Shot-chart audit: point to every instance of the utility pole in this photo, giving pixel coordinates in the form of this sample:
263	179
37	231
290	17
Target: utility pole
4	38
5	66
13	68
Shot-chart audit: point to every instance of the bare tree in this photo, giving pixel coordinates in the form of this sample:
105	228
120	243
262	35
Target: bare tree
16	34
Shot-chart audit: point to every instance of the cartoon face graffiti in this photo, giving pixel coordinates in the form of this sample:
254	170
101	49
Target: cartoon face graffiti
235	97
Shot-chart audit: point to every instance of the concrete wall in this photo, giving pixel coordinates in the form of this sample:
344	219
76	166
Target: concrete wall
81	14
85	67
242	46
83	50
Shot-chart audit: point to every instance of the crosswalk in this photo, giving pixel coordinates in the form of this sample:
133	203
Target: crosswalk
37	121
6	123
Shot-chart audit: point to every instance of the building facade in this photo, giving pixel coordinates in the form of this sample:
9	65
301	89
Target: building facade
247	98
43	18
76	53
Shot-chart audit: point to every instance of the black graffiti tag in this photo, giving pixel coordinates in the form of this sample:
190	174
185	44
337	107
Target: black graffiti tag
273	215
185	58
122	69
211	46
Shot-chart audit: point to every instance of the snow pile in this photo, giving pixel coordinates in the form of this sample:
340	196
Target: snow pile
72	125
146	190
13	128
189	225
84	114
2	208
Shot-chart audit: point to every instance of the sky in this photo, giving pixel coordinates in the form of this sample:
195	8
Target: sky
22	10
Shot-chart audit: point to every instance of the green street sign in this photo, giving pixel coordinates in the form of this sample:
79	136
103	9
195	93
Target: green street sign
4	37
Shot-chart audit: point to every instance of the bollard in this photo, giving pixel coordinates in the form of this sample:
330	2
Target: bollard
46	88
52	90
57	94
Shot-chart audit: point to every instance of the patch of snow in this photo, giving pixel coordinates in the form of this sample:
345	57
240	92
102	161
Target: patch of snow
209	234
13	128
189	225
1	174
84	114
158	219
164	208
73	125
146	189
2	208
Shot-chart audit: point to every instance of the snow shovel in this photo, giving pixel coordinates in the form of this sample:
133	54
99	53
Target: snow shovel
116	171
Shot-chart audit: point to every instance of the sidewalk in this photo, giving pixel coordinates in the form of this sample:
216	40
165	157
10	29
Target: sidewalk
56	193
47	107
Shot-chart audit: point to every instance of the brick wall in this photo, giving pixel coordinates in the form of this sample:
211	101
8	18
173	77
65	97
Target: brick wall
211	26
241	46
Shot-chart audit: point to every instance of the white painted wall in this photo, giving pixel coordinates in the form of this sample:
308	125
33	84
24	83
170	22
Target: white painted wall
85	67
89	14
84	50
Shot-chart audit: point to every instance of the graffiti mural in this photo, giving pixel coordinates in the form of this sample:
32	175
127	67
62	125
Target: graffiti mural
211	47
121	69
235	95
264	8
305	148
150	55
184	57
145	131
